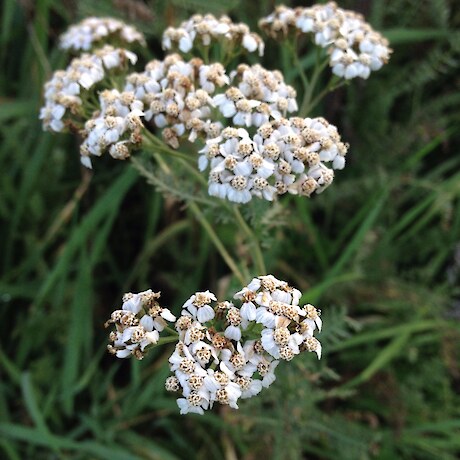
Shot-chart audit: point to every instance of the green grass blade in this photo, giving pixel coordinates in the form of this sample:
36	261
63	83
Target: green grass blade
35	413
107	205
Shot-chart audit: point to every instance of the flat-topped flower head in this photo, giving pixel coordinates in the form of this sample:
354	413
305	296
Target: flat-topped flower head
256	97
355	49
275	305
284	156
205	31
93	31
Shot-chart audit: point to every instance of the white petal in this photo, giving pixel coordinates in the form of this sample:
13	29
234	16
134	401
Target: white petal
124	353
250	43
86	161
248	311
167	315
233	333
147	323
205	313
185	44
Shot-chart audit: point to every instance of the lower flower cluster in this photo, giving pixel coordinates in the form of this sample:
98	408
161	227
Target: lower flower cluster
226	351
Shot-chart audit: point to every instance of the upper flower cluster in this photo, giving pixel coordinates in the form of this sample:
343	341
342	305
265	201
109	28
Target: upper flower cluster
203	31
225	352
355	48
193	100
94	31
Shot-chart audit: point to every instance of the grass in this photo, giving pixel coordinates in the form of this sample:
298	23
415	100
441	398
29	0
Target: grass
376	252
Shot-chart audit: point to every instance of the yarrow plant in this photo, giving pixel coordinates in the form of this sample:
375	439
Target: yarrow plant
204	126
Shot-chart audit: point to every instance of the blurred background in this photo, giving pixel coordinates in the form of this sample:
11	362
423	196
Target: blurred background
378	252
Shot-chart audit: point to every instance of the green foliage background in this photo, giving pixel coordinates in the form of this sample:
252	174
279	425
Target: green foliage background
378	252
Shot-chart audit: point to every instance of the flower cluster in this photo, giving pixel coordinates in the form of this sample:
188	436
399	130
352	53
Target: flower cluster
193	100
224	352
202	31
116	128
284	156
177	96
355	48
94	31
137	324
258	95
66	91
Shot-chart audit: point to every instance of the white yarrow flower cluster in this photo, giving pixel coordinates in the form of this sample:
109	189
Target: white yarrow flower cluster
224	352
284	156
177	96
257	96
67	89
116	128
138	324
205	30
355	48
92	31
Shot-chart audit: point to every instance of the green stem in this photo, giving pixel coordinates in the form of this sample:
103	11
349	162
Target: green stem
186	160
332	86
162	147
293	48
306	103
256	253
217	242
158	146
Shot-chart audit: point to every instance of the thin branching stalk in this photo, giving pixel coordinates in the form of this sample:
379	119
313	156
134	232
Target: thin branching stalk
216	241
308	95
332	86
292	46
158	145
256	252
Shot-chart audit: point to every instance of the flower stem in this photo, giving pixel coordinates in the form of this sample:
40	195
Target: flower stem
306	106
217	242
292	46
186	160
332	86
256	253
162	147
